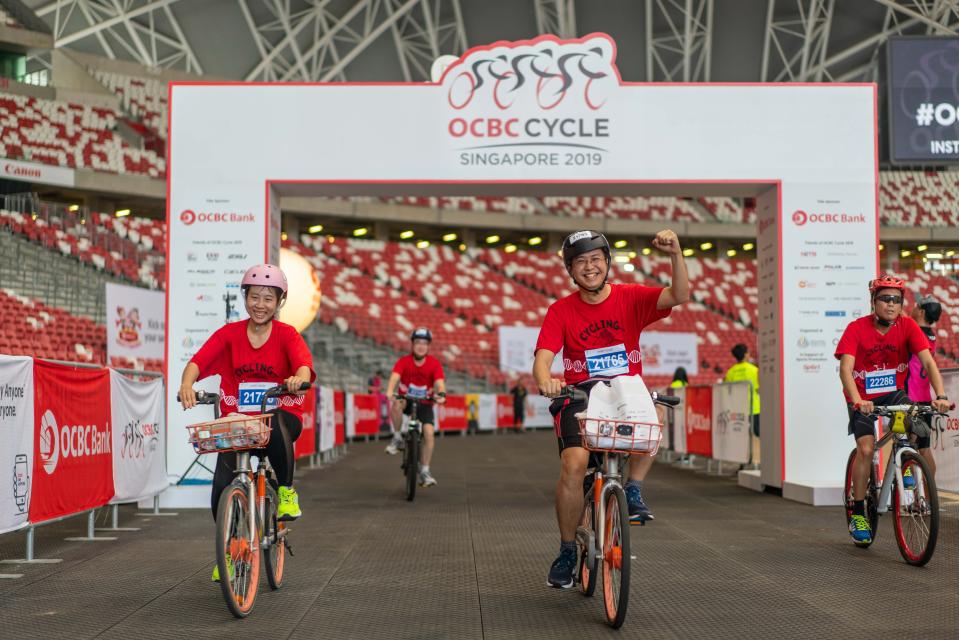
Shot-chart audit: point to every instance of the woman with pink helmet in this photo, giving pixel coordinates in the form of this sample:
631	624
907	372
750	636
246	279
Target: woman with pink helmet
251	356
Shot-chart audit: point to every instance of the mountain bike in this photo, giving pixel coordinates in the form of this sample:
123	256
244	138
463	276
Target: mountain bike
603	534
412	444
915	508
246	521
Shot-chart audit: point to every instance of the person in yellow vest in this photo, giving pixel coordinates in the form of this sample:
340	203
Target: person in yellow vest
680	379
744	370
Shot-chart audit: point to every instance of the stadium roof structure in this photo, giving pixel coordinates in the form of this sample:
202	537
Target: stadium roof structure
397	40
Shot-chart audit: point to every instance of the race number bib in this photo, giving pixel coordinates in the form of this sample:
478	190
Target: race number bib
880	381
416	391
251	396
608	361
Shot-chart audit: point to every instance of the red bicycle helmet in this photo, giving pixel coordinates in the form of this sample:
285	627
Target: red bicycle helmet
886	282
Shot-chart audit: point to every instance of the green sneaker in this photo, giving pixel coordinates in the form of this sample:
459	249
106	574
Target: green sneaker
216	569
289	507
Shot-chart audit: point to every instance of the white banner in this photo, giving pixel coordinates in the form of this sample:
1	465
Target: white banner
663	351
326	419
945	439
517	345
135	321
139	434
487	412
678	439
16	440
32	172
537	411
349	417
732	421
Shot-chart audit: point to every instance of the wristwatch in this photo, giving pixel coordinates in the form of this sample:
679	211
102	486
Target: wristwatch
941	398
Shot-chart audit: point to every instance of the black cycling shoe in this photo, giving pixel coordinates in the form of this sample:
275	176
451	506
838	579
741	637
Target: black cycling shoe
639	513
561	572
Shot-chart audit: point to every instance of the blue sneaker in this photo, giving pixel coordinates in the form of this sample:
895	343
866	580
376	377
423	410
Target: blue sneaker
561	572
908	480
860	530
639	513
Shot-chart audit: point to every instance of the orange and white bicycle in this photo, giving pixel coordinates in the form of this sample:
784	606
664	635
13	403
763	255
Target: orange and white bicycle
603	533
246	521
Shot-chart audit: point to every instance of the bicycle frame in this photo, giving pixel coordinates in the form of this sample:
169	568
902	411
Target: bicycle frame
893	467
604	482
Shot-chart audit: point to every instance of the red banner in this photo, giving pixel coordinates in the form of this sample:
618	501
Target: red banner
699	420
73	461
305	445
366	414
339	417
504	411
452	414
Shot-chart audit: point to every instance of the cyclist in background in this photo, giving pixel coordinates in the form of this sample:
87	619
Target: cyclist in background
417	374
598	330
926	313
873	356
251	356
680	379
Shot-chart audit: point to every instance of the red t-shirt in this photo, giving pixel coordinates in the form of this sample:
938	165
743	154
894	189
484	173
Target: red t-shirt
246	372
416	379
601	340
882	361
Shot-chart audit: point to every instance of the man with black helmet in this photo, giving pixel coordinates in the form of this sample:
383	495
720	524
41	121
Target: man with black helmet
926	313
598	329
419	375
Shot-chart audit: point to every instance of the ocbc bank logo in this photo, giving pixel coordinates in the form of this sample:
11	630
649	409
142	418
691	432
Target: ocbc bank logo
69	441
800	218
189	217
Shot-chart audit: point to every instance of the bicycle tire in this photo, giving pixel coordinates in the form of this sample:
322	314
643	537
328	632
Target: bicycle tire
588	572
274	556
240	585
412	465
872	508
616	558
907	517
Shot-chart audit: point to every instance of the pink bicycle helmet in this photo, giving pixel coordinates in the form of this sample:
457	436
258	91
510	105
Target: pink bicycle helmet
265	275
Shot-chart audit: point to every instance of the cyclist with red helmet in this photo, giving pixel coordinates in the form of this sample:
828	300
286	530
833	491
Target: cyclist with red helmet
251	356
873	356
419	375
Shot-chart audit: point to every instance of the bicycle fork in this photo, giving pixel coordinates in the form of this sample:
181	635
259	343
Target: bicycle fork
592	537
894	466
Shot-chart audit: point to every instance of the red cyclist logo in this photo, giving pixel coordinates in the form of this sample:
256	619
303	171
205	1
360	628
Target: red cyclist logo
188	217
800	217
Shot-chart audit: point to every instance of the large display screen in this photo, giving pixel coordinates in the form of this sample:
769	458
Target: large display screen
923	81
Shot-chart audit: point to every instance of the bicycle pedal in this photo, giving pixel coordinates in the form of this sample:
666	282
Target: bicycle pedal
289	548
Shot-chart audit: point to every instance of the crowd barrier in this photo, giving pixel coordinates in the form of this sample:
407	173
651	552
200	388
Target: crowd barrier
76	438
711	422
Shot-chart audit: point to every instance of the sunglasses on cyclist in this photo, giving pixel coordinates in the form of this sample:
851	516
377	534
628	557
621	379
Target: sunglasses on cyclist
890	299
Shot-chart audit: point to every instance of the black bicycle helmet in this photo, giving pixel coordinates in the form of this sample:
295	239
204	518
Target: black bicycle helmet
421	333
581	242
931	307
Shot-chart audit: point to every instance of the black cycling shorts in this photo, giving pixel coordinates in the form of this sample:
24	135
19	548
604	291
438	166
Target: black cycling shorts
424	412
566	425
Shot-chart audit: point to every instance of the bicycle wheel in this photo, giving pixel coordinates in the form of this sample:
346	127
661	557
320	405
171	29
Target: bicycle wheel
616	558
872	511
238	560
274	556
412	465
587	573
916	511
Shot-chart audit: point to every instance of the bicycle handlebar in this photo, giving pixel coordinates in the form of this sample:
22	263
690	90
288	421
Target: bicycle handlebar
208	397
920	409
575	393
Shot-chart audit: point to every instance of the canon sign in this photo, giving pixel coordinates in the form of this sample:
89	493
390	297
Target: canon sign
189	216
800	218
